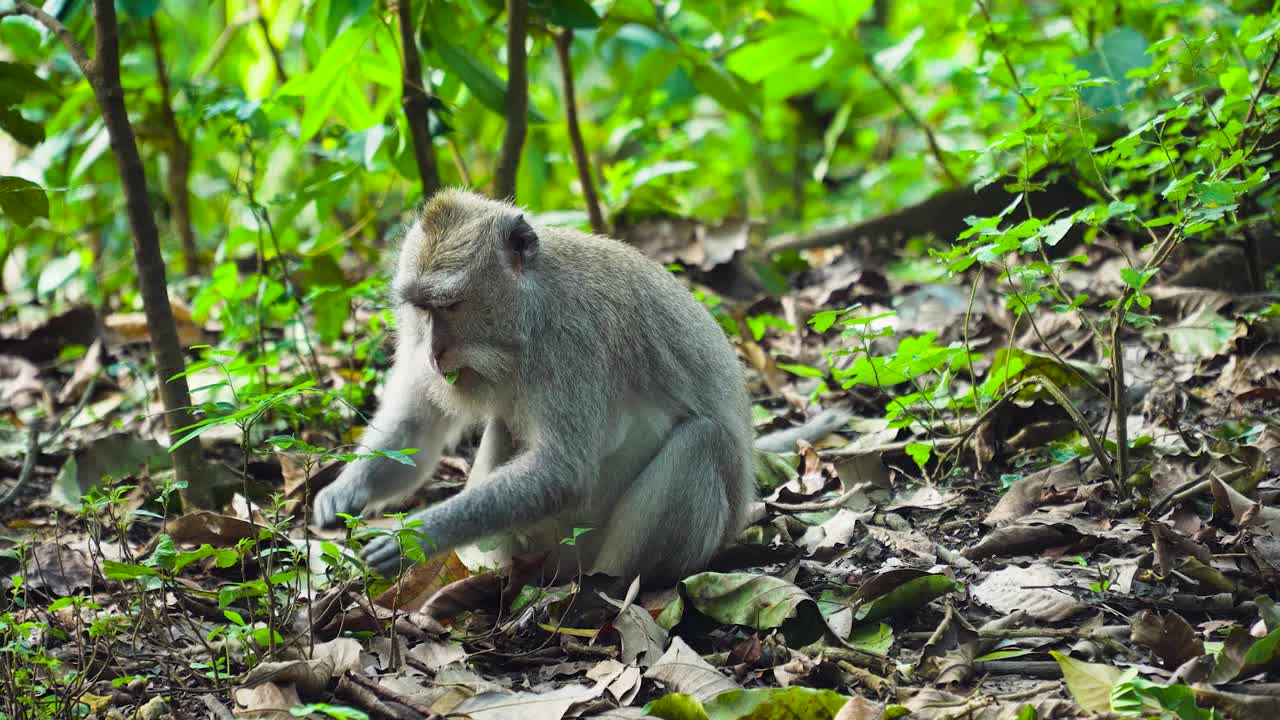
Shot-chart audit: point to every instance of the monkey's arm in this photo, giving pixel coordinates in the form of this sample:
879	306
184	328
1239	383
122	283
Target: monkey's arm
405	419
532	486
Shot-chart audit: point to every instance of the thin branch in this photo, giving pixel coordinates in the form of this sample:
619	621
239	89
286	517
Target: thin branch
517	101
1065	403
68	40
901	102
1262	87
219	49
1013	74
415	103
564	43
277	60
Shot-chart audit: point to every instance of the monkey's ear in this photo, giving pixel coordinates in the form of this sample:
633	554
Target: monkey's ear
522	243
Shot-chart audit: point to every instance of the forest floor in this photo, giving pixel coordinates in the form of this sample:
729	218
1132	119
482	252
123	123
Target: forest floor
966	562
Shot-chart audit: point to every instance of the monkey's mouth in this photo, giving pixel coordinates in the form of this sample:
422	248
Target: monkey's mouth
451	377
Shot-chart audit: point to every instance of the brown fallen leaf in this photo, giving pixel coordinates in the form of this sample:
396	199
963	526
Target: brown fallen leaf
422	581
1170	637
218	530
86	370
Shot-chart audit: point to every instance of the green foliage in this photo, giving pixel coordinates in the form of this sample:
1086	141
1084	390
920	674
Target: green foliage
796	702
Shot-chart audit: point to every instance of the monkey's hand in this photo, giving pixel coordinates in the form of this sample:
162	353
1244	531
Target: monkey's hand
348	494
385	555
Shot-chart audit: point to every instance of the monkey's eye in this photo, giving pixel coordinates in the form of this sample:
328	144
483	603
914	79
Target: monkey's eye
450	307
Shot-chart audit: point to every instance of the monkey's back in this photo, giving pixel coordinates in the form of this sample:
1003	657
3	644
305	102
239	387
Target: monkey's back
650	326
649	332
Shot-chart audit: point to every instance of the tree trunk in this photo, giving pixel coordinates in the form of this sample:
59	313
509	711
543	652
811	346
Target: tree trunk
564	41
517	105
174	393
414	101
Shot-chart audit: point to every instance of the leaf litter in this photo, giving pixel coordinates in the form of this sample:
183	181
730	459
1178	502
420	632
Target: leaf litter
979	563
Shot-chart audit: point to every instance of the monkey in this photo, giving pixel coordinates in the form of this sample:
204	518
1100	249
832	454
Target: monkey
609	397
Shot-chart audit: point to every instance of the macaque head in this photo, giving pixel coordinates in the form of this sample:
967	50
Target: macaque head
457	286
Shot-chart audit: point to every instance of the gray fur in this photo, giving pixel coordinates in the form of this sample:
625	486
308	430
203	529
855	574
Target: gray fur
610	397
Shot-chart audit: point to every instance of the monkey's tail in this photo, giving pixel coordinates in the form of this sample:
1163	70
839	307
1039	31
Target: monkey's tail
813	429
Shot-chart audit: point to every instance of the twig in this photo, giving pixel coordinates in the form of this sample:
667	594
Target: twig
852	450
28	462
564	43
1048	386
219	710
1031	668
219	49
370	703
824	504
874	662
1262	87
33	440
1118	402
73	46
1013	74
906	109
387	694
277	60
1027	694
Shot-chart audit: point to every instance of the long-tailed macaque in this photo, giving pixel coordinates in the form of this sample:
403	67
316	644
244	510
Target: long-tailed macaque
610	398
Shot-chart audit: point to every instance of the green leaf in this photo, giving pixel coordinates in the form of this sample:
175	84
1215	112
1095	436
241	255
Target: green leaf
839	16
906	597
789	42
1120	50
802	370
23	130
790	703
758	601
22	201
18	81
1090	683
485	84
1136	279
724	87
872	637
140	9
116	570
676	706
920	452
572	14
339	712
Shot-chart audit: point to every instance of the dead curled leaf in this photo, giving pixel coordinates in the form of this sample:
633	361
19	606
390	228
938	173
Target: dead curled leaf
1244	510
681	669
267	701
1170	637
948	655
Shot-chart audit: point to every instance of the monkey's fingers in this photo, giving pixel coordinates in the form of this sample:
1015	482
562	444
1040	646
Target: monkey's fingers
334	499
384	556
